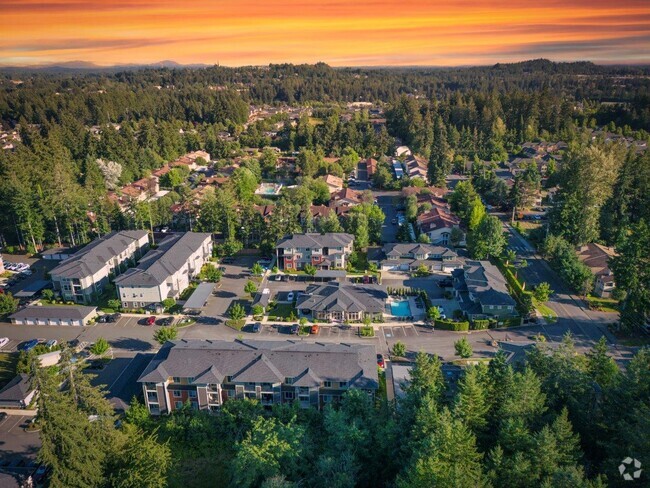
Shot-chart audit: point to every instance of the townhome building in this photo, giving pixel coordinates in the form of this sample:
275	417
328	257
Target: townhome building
340	302
83	276
482	291
164	272
596	257
323	251
410	256
208	373
437	224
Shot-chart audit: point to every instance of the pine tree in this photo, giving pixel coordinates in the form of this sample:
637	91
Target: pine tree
472	404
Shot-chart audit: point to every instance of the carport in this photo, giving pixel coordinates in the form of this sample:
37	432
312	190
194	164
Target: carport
329	275
197	301
32	289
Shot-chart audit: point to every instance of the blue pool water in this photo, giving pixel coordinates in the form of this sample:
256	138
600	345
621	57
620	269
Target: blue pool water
400	309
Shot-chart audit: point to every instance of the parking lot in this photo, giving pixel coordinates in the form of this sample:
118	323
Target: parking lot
399	331
18	447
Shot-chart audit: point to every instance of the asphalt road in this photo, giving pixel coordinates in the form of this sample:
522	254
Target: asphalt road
388	202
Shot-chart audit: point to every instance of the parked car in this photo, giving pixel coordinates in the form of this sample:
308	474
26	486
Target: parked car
443	315
257	327
150	320
51	343
278	277
228	260
40	473
445	283
380	361
4	341
315	329
166	321
290	296
114	317
29	345
294	329
102	319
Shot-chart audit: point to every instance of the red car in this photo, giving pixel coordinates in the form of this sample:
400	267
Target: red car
380	361
150	320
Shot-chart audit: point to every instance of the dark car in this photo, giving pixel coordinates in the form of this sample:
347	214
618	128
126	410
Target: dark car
445	283
29	345
102	319
293	329
40	473
228	260
114	317
166	321
257	327
380	361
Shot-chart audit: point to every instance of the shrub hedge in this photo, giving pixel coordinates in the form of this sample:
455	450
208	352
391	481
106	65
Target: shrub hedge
451	325
480	324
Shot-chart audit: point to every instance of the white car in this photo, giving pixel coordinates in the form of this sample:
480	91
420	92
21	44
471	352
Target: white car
4	341
290	296
51	343
442	312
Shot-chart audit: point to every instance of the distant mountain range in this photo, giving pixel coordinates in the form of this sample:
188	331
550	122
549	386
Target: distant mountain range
88	66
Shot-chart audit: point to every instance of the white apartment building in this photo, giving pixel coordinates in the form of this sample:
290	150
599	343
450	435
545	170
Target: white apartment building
164	272
82	277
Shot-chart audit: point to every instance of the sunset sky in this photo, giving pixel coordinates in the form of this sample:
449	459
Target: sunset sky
338	32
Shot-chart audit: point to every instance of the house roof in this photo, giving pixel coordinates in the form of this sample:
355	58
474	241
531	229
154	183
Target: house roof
348	195
334	296
97	254
436	218
62	312
264	362
17	389
311	240
596	256
199	296
485	282
405	248
159	264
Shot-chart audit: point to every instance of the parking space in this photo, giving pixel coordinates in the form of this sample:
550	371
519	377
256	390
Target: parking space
18	447
399	331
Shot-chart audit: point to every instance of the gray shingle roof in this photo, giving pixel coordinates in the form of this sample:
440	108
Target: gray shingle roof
402	249
485	282
159	264
342	297
95	255
63	312
264	362
17	389
314	240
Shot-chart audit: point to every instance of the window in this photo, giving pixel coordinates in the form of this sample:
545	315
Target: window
176	379
343	384
288	381
288	395
190	379
178	405
192	394
176	393
327	384
327	398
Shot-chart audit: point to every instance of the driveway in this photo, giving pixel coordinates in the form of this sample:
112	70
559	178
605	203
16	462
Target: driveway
388	202
16	444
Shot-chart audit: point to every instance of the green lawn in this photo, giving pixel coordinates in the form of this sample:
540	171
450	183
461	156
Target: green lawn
548	313
603	304
282	310
7	367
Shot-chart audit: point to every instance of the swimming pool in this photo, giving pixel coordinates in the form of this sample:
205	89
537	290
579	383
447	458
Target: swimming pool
400	309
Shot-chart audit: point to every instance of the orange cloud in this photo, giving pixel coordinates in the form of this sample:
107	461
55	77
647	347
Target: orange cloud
339	32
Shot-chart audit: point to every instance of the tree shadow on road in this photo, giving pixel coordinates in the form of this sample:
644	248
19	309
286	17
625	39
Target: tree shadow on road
131	344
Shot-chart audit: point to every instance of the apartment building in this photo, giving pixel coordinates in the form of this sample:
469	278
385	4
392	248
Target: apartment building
482	291
410	256
208	373
164	272
324	251
82	277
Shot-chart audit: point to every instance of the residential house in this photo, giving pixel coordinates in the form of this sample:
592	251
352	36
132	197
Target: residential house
346	198
371	167
596	257
403	151
54	315
437	224
324	251
18	393
208	373
416	167
482	291
166	271
334	183
341	302
82	277
410	256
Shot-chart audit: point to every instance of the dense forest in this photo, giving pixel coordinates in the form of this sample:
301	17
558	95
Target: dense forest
562	420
